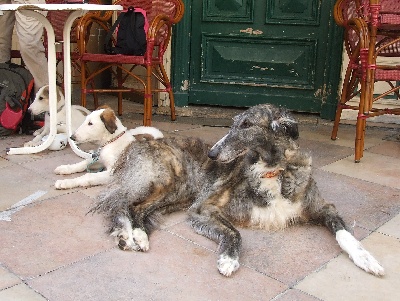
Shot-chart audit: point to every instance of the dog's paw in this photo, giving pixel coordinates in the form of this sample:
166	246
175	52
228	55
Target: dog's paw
361	257
64	184
125	240
141	239
62	170
37	132
31	144
227	265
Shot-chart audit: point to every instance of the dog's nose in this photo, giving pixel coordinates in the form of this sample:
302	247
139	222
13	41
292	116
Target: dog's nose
73	138
213	154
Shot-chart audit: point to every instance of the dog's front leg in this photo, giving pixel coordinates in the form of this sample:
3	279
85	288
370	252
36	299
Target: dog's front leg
326	214
212	224
72	168
89	179
38	139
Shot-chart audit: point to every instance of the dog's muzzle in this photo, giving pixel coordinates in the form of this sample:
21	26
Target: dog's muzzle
213	153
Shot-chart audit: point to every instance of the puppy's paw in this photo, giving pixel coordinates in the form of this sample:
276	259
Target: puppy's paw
227	265
30	144
62	170
65	184
125	240
37	132
141	239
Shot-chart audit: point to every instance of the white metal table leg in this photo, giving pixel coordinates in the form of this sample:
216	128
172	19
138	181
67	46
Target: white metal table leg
67	79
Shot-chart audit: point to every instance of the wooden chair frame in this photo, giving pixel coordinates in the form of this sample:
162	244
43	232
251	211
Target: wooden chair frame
370	32
162	14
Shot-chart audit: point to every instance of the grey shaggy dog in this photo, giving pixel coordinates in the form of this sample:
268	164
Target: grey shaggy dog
255	176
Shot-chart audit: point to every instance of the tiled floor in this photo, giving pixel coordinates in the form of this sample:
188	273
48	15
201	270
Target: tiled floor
52	250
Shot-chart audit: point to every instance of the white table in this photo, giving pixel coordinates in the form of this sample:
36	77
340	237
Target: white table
77	10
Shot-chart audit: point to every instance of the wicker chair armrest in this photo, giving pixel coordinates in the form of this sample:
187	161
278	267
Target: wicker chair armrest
338	13
361	27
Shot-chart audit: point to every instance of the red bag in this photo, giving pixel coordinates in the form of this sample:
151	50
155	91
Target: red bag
16	84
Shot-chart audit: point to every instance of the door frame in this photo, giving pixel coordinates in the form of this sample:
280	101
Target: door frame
180	62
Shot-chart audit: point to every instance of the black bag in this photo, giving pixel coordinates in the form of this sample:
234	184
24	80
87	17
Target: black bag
16	85
131	36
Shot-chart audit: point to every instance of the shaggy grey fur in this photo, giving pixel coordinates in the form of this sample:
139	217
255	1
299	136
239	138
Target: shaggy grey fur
258	178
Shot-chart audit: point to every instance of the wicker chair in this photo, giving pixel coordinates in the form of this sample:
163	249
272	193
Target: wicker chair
372	31
161	15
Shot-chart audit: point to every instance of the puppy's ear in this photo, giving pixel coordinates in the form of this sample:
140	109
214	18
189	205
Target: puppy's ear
109	119
103	107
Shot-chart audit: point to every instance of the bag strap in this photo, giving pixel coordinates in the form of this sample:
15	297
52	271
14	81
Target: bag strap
133	21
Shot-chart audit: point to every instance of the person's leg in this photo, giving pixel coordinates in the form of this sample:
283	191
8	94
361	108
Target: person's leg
30	33
7	20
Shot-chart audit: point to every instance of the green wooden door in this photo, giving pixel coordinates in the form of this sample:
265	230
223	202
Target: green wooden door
246	52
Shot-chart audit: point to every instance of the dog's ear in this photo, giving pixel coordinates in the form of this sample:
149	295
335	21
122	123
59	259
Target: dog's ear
103	107
284	122
109	119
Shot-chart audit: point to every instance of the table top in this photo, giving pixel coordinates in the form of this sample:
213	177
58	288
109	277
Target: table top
66	6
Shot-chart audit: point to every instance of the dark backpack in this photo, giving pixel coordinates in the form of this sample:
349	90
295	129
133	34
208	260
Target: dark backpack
16	85
131	35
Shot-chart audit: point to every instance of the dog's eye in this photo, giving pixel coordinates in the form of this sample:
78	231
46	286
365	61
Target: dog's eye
90	123
40	98
245	124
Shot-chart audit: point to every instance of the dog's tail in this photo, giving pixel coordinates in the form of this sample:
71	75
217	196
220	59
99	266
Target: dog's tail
82	109
146	132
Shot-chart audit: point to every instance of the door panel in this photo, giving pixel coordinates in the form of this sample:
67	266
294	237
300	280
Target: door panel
245	52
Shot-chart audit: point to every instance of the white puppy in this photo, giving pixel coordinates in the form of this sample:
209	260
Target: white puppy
104	128
41	104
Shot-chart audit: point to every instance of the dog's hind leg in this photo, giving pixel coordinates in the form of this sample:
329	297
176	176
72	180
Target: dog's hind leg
326	214
123	233
210	223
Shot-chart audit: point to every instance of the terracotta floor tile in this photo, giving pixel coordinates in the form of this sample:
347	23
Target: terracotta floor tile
372	168
340	281
20	292
295	295
173	269
50	234
359	202
7	279
387	148
18	183
391	228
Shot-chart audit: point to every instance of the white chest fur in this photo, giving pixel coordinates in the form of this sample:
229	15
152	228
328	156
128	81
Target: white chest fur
279	212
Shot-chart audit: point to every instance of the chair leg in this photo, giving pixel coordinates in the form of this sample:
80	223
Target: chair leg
148	99
360	136
168	87
83	84
335	129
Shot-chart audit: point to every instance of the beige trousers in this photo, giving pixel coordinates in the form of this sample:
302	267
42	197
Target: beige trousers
29	32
